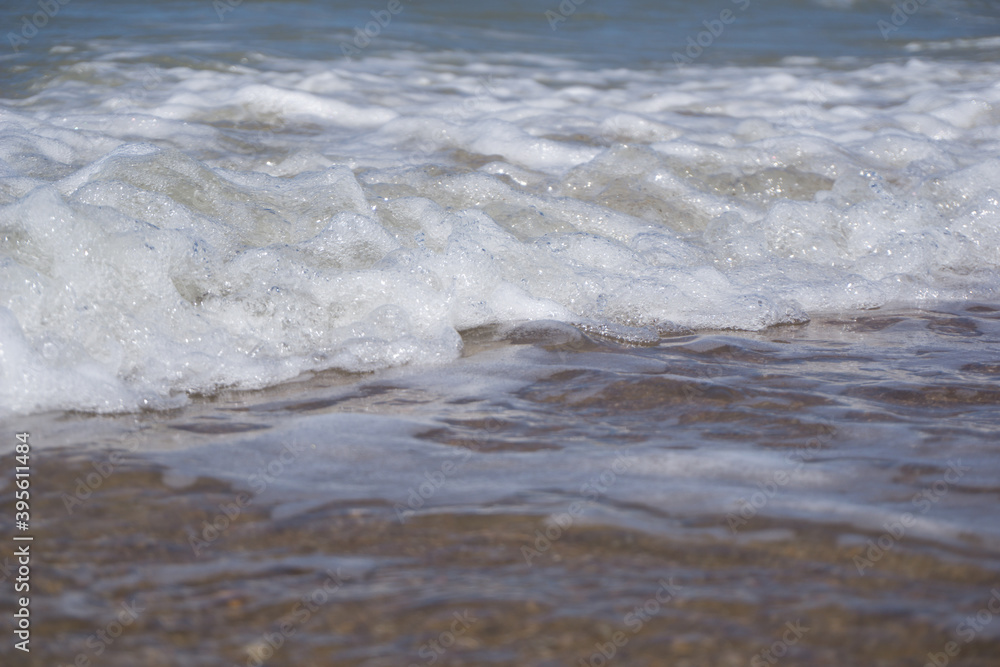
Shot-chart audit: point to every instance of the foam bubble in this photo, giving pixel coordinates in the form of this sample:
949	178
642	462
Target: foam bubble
239	226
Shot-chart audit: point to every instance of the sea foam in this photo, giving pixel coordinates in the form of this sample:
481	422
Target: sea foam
237	226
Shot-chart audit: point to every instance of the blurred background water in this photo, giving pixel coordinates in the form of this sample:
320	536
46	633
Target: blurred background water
624	33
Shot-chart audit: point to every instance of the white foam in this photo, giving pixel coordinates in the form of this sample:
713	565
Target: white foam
236	227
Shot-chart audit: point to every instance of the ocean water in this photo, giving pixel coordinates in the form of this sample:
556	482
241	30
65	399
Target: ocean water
585	333
184	211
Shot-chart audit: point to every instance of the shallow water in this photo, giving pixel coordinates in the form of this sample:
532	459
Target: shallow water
618	357
840	476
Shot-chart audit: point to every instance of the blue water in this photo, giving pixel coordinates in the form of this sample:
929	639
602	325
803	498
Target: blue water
600	32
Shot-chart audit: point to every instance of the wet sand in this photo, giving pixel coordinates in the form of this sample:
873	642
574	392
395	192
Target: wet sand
259	528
